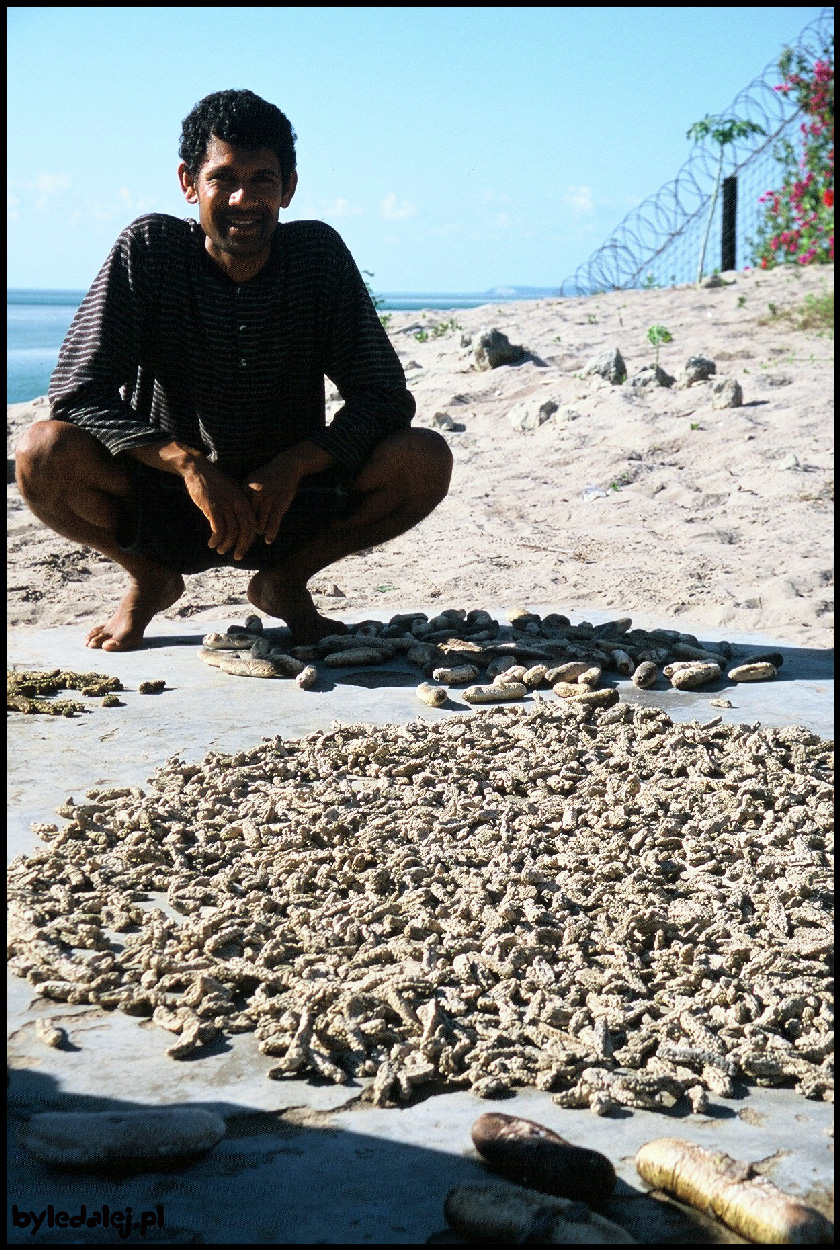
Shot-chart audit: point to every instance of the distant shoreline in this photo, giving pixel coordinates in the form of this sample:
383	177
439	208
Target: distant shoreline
391	301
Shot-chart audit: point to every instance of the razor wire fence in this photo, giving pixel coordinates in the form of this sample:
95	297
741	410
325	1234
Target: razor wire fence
658	243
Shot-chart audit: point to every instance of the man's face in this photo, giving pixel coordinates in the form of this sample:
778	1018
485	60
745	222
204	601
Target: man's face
239	193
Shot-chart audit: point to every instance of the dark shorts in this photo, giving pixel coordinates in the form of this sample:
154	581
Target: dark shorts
160	520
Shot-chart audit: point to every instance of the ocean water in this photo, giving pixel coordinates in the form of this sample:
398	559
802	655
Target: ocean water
37	322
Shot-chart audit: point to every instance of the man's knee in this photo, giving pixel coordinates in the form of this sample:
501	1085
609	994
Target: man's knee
53	454
425	463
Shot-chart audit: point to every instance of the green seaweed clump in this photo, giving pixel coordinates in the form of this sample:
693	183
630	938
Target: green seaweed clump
27	690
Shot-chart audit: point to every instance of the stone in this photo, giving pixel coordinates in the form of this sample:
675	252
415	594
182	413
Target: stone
494	349
609	365
652	375
727	393
564	415
697	369
531	413
100	1139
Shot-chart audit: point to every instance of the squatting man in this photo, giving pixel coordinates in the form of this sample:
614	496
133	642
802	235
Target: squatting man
187	421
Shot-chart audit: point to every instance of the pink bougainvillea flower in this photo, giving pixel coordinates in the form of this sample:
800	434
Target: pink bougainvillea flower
828	198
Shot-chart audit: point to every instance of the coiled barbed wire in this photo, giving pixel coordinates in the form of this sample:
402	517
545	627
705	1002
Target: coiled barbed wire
657	243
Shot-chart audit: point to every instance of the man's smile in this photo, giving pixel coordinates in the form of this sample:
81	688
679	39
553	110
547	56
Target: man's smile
245	223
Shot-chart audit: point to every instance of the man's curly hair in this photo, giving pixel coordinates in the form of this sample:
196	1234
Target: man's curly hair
239	118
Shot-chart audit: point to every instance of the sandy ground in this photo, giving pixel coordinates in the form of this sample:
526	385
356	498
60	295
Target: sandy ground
719	517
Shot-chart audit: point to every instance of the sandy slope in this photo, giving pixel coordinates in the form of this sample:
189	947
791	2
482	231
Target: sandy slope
705	522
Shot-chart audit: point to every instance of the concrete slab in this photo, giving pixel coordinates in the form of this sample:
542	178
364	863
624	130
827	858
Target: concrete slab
328	1174
204	709
380	1177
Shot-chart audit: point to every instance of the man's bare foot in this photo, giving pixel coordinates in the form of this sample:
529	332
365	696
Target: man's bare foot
294	606
145	598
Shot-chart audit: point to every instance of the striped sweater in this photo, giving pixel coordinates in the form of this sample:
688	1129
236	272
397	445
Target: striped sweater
166	346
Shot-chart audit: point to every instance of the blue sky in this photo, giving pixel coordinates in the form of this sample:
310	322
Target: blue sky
454	149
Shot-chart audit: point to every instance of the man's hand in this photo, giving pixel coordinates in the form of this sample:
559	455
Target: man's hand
272	487
222	500
227	507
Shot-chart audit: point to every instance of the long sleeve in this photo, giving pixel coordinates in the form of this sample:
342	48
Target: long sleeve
361	361
99	365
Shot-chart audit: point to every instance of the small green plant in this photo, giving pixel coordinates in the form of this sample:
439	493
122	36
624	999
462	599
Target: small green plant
444	327
695	425
817	313
649	283
724	130
593	321
422	336
657	335
742	299
557	339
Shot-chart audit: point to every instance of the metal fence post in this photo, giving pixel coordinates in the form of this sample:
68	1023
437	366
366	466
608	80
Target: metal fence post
727	231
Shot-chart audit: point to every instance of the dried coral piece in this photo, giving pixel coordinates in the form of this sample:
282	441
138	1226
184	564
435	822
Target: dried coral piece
508	1213
247	665
693	675
93	1140
151	687
567	689
435	696
461	675
505	691
533	1155
644	676
760	670
50	1033
535	676
285	665
513	673
307	677
746	1202
226	642
354	658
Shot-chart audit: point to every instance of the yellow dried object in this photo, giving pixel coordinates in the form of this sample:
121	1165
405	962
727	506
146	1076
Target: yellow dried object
721	1186
763	671
435	696
508	1213
505	692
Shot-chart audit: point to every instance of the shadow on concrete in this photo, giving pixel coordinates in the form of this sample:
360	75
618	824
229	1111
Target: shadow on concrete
153	642
289	1177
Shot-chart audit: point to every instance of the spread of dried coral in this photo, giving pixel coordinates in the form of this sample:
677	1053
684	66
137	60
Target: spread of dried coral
600	903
